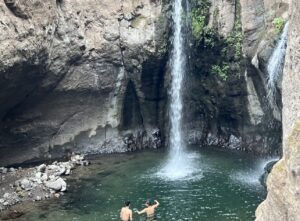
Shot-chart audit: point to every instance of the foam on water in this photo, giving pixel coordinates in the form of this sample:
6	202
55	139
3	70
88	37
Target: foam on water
184	168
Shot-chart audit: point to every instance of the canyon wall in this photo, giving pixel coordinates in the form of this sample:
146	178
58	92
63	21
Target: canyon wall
283	202
226	96
92	76
82	76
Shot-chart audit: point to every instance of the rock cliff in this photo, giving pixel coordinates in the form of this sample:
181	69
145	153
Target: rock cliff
80	75
227	104
283	202
92	76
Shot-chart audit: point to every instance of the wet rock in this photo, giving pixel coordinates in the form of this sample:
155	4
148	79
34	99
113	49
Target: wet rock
234	142
267	171
156	138
212	140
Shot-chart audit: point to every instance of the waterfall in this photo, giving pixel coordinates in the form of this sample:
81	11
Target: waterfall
275	66
180	164
177	64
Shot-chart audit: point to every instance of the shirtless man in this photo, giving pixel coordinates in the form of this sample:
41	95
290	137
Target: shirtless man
126	213
149	210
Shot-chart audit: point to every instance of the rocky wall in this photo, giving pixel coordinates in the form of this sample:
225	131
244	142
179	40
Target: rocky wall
282	203
71	71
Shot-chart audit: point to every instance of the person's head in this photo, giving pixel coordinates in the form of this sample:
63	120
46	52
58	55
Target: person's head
148	202
127	203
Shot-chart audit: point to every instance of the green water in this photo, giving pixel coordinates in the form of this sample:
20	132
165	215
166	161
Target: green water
226	188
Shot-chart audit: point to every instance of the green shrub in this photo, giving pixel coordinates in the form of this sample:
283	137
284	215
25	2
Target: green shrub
235	41
278	24
199	17
221	72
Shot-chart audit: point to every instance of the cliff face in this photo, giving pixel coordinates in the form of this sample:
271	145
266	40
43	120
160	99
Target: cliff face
283	202
226	96
80	75
91	76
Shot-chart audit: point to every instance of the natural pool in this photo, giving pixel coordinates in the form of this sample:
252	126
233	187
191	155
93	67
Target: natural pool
226	188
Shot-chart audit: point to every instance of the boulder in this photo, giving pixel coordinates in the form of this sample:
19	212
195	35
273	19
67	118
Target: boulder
57	185
26	184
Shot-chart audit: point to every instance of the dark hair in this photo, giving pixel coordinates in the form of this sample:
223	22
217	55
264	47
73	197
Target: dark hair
149	202
127	203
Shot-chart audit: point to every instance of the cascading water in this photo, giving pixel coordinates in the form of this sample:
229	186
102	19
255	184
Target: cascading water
179	164
275	66
177	63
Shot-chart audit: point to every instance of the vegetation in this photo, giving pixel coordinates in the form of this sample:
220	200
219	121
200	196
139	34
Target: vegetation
235	41
220	55
199	19
221	71
278	23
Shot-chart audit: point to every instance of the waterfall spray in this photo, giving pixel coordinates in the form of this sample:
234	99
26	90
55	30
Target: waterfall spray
275	66
180	164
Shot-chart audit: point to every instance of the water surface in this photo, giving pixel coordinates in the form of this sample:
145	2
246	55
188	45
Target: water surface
225	187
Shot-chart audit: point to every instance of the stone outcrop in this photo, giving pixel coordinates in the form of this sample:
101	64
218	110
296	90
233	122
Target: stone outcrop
283	202
80	75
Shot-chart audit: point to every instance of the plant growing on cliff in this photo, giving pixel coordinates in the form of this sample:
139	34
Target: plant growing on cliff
278	23
199	18
221	71
235	40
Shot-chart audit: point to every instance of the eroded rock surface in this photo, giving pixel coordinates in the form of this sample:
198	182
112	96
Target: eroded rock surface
232	101
80	75
283	202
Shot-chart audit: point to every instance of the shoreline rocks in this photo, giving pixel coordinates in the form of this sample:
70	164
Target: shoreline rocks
36	183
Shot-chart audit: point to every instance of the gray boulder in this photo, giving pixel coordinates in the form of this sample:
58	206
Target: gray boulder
57	185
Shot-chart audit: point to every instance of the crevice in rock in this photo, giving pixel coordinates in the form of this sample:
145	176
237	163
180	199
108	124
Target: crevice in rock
131	112
121	46
15	8
59	3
